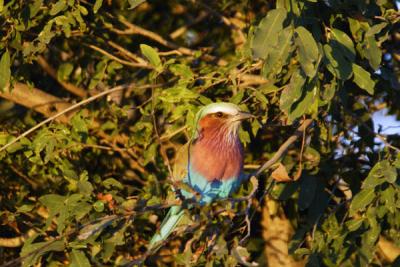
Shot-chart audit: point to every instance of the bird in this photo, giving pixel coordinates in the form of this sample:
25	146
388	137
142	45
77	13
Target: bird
211	163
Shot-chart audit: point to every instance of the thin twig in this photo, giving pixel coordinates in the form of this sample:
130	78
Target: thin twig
128	53
124	62
284	147
23	176
134	29
157	133
169	135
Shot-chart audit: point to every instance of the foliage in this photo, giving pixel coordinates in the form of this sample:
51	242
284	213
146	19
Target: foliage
91	188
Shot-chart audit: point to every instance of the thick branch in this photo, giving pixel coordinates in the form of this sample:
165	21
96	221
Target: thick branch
40	101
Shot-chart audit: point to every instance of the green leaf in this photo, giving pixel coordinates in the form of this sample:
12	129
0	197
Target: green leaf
64	71
79	124
292	92
372	52
54	203
308	51
34	8
279	58
388	198
377	28
5	71
181	70
151	55
135	3
336	63
305	103
25	208
177	94
79	259
100	74
261	98
85	187
382	172
83	10
58	7
97	6
98	206
267	32
346	44
361	200
1	5
237	98
38	250
363	79
354	224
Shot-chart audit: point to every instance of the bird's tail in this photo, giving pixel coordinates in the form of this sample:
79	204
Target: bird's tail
169	223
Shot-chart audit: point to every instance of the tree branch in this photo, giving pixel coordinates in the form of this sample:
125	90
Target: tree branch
60	113
38	100
52	72
124	62
134	29
284	147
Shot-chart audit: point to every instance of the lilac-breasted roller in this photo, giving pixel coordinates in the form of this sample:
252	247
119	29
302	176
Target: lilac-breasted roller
211	163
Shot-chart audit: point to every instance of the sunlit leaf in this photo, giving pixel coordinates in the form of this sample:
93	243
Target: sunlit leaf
152	55
5	72
363	79
308	51
79	259
97	5
267	32
361	200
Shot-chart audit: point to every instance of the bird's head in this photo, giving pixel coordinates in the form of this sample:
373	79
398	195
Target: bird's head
222	117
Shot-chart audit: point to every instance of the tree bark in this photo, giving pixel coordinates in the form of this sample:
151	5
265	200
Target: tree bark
277	232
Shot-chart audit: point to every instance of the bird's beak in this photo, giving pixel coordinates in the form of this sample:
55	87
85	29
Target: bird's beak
243	116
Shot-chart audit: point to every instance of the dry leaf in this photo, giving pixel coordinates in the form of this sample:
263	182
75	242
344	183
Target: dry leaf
280	174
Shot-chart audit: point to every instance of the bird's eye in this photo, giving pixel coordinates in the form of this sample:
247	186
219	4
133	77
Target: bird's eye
219	114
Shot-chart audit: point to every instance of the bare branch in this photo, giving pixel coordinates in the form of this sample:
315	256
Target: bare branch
284	147
128	53
134	29
38	100
124	62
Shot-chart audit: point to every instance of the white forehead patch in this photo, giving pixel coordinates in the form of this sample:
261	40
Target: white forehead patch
230	109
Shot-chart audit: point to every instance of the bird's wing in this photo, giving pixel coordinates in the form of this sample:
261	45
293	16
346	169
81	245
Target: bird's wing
174	216
180	169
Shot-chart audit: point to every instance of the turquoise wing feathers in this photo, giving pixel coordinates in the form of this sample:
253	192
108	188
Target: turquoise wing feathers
170	222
